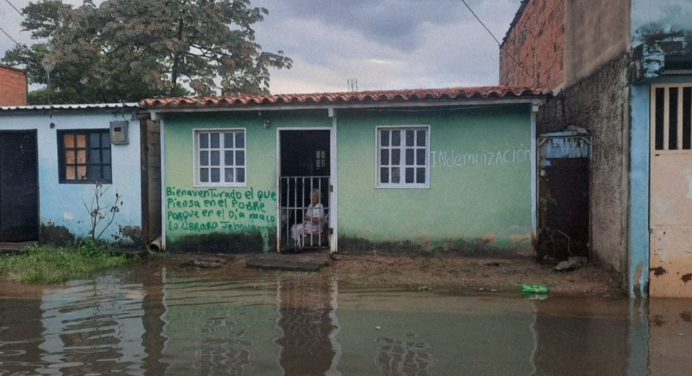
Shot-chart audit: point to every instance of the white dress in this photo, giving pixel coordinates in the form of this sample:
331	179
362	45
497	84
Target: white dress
314	213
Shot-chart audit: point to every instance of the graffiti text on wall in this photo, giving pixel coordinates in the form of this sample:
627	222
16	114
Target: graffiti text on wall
451	158
208	210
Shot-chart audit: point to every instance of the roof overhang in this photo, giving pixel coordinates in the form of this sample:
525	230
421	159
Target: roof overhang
343	106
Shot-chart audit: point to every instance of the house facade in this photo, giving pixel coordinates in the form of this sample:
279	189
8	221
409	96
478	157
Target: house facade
626	69
439	169
70	172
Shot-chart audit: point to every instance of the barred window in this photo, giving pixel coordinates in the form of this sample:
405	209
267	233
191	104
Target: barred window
672	117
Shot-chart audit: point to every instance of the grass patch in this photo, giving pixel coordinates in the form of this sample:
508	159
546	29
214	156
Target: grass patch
46	264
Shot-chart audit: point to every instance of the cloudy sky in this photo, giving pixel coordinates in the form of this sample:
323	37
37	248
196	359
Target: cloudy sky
383	44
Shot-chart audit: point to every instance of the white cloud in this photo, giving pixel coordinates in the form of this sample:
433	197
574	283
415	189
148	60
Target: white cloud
455	51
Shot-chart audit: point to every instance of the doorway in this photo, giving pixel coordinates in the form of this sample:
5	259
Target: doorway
18	186
563	186
304	189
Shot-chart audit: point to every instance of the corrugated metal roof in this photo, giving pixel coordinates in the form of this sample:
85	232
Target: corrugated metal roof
361	97
86	106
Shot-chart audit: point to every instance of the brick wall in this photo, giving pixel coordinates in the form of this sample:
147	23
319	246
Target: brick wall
13	87
536	40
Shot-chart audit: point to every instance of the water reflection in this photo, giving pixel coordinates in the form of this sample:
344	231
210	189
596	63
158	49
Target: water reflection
154	321
307	321
20	334
105	323
588	337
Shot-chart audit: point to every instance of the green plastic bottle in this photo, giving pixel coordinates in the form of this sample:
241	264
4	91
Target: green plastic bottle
534	289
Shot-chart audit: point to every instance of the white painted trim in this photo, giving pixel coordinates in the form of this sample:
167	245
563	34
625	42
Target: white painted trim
652	154
652	126
681	110
400	185
195	168
278	191
534	176
334	172
320	128
666	119
164	185
462	103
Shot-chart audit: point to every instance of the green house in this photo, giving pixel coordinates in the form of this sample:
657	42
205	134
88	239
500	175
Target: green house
449	169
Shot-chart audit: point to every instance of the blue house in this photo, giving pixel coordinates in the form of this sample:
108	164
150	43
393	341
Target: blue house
71	171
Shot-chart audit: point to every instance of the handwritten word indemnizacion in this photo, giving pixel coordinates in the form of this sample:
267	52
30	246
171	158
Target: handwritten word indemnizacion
452	158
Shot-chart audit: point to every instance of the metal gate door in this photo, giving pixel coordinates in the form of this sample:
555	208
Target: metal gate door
671	192
304	212
18	187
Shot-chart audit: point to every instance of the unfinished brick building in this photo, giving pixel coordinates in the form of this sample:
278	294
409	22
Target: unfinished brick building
532	52
13	87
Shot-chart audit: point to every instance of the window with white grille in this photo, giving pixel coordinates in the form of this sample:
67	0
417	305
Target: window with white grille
672	117
403	157
220	158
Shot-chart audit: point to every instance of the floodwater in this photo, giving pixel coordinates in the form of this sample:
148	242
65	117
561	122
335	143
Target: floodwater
158	320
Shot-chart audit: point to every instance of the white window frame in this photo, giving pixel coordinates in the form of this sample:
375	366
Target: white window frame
402	161
196	152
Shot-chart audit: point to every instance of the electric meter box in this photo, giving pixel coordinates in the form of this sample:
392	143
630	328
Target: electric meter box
119	132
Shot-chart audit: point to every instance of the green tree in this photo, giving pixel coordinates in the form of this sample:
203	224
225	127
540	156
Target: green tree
131	49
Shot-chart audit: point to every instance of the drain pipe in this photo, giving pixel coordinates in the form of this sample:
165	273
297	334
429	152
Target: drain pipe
155	245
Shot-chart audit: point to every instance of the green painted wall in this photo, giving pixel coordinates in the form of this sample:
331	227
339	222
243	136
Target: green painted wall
479	195
476	197
219	219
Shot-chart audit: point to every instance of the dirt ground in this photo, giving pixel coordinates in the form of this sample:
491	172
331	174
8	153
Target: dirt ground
453	273
410	272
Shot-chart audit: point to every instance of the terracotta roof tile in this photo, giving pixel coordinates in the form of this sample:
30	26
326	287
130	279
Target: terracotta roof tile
360	97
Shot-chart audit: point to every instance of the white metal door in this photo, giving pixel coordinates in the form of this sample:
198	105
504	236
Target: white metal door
671	192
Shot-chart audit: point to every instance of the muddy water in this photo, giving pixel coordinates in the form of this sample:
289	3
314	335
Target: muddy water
154	320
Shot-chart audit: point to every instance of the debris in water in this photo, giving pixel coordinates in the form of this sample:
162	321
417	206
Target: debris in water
572	263
534	289
204	263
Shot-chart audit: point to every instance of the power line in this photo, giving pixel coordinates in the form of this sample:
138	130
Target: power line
3	30
496	41
14	7
8	35
477	19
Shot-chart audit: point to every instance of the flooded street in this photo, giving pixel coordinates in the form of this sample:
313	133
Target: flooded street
156	320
